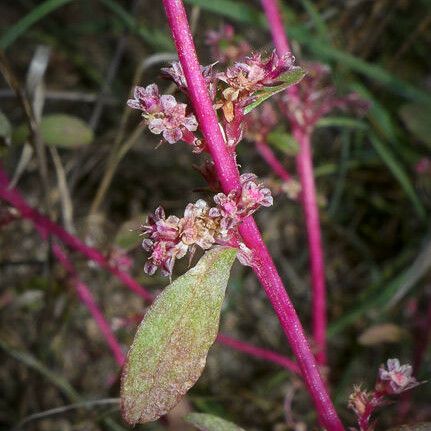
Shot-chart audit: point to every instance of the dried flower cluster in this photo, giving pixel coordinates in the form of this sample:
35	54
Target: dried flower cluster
170	238
393	380
164	115
317	97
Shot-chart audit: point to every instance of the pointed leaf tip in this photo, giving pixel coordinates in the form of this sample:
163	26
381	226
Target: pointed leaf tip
170	347
289	78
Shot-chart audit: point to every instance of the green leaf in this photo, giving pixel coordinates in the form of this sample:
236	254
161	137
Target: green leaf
170	347
345	122
417	118
289	78
283	141
59	130
206	422
36	14
399	173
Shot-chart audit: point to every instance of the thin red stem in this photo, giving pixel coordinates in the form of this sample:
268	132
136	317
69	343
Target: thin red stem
305	171
81	289
13	197
87	298
268	155
228	175
309	202
257	352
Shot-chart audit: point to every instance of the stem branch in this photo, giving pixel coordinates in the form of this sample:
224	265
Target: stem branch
228	175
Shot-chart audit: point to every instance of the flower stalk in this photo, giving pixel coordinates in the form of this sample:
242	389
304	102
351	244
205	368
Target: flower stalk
228	175
304	165
88	300
268	155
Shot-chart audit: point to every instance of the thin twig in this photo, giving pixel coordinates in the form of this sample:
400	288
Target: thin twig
60	410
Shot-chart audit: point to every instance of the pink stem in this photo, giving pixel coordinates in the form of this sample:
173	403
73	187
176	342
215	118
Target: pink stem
86	297
305	170
228	175
268	155
309	202
81	289
13	197
257	352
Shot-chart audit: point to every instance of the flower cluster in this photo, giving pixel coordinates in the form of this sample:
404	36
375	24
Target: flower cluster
316	97
225	46
170	238
164	115
255	73
231	91
393	380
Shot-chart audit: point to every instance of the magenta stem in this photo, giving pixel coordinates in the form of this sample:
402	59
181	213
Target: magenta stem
257	352
81	289
304	165
14	198
228	175
268	155
87	298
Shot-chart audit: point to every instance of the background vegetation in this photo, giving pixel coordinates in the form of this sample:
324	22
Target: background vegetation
375	206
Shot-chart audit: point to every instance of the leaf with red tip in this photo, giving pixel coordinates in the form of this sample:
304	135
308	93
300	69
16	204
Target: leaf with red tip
170	347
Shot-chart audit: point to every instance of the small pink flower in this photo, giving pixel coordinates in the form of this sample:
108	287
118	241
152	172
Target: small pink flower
162	257
317	97
145	98
170	238
398	378
163	114
254	73
228	212
254	195
196	226
161	228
